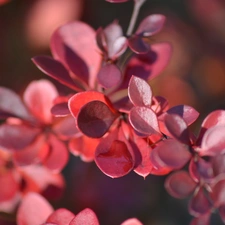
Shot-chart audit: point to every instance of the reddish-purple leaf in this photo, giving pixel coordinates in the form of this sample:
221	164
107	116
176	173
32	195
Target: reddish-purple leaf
213	141
172	154
188	113
58	155
180	184
201	220
9	187
222	212
86	216
218	194
17	137
77	101
132	221
151	25
139	92
118	47
144	120
150	65
84	48
34	210
12	105
95	118
56	70
199	204
60	110
177	127
138	45
109	76
113	157
60	217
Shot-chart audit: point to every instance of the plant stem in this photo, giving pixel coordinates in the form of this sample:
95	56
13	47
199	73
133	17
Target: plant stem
137	6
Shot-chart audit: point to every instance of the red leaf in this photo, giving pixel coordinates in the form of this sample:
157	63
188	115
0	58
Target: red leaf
113	157
177	127
84	147
58	155
145	166
213	141
9	185
56	70
34	210
77	101
86	216
201	220
60	217
109	76
65	49
144	120
139	92
180	184
12	105
95	118
199	204
172	154
151	25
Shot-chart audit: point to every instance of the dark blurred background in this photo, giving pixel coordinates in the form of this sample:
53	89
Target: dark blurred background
194	76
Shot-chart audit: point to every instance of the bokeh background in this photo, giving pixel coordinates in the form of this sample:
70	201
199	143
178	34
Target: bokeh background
195	76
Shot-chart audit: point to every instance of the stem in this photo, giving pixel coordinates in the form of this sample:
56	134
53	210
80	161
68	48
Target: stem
137	6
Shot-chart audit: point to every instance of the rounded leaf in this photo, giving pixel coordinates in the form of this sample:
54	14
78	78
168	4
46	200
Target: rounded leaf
138	45
132	221
139	92
180	184
95	118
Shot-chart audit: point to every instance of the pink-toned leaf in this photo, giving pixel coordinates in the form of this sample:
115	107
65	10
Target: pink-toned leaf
39	96
138	45
34	210
84	147
55	69
84	48
9	185
215	118
188	113
139	92
144	120
144	168
60	109
218	194
132	221
86	216
12	105
58	155
95	118
77	101
17	137
101	40
201	220
218	164
213	141
109	76
118	48
180	184
199	204
151	25
222	212
60	217
172	154
113	157
177	127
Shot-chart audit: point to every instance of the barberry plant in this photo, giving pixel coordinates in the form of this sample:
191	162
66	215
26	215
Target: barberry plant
112	117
